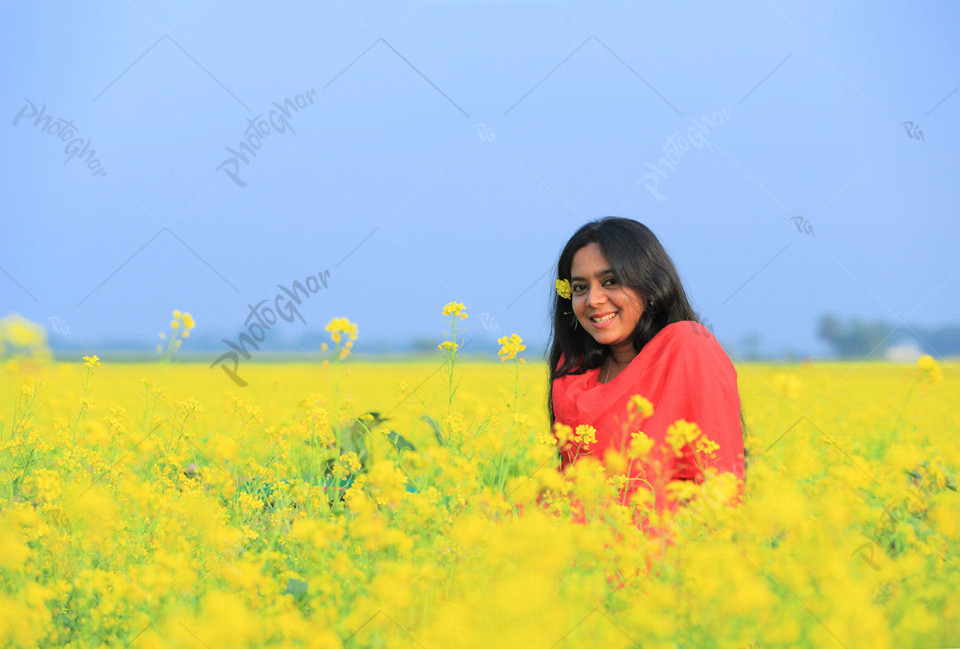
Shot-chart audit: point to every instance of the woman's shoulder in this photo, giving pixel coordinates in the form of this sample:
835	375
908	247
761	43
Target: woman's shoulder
687	332
693	344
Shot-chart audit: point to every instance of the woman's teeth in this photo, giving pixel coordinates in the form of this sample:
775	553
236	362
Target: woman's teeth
603	318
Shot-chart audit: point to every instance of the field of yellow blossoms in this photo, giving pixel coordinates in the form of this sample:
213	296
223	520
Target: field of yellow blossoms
341	503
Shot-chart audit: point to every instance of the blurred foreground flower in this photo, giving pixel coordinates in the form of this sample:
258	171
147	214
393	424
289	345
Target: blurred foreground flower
640	406
180	328
929	369
337	328
21	337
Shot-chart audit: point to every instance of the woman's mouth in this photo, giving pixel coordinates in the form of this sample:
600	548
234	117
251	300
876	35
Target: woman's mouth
603	320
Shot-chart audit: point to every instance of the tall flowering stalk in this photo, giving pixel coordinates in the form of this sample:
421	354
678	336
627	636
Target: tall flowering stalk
510	348
928	372
180	327
86	401
342	334
338	328
455	310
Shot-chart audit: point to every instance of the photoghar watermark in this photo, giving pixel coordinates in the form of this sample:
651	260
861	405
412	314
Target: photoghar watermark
872	545
677	145
913	131
261	318
258	129
489	323
59	325
60	520
486	133
807	226
65	131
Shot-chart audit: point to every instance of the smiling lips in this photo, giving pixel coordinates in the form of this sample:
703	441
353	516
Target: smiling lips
603	319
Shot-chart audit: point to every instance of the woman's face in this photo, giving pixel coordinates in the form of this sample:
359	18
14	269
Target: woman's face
606	310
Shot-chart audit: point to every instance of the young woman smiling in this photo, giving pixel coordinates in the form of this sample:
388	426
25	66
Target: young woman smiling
624	338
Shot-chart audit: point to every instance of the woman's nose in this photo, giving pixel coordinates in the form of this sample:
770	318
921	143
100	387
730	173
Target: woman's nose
596	297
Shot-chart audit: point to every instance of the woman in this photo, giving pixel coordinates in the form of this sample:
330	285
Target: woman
625	338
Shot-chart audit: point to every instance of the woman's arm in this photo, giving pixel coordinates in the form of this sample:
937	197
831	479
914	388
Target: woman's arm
713	403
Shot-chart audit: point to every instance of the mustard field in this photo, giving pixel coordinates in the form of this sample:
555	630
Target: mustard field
359	504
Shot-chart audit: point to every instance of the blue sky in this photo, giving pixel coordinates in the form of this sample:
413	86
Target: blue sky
449	149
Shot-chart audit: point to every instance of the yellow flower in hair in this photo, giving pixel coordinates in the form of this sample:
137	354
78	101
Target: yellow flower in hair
563	288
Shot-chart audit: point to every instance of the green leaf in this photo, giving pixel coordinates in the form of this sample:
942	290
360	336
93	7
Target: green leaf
399	442
435	426
296	587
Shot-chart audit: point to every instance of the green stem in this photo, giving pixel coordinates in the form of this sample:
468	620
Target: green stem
85	384
335	415
370	435
903	407
516	396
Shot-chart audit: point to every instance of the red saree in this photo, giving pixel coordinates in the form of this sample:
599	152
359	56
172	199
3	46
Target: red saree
685	374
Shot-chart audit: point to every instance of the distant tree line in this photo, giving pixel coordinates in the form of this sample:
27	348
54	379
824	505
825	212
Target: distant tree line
855	337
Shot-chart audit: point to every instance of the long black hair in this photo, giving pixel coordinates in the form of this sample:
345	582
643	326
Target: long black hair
639	262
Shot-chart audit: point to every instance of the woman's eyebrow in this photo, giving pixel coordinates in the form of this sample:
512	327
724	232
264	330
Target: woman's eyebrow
598	275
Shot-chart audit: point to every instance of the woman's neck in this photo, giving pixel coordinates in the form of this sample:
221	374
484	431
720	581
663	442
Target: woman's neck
616	362
622	355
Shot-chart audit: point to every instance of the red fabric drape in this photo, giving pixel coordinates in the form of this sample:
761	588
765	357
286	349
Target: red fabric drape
685	374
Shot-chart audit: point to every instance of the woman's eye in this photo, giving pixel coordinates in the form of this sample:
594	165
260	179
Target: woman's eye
611	281
577	288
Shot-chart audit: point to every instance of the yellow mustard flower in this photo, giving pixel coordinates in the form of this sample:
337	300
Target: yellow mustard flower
447	345
640	446
562	432
639	405
339	326
456	309
706	446
585	435
929	369
91	361
510	347
563	288
680	433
